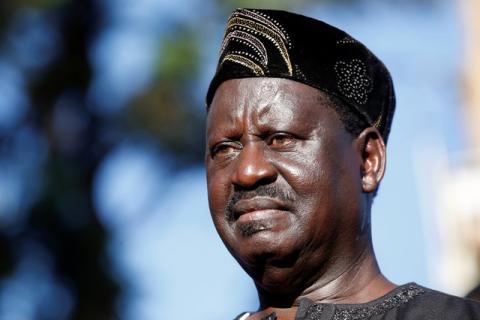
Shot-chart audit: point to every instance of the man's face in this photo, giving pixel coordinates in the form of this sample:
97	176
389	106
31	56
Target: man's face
284	177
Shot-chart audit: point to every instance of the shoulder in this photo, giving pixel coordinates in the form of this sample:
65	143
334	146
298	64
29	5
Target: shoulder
432	304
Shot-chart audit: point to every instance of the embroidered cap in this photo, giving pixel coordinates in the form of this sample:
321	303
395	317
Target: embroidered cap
280	44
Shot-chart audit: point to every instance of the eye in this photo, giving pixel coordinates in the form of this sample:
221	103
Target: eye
225	149
279	140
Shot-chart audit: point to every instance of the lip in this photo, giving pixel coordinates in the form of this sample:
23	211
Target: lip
250	206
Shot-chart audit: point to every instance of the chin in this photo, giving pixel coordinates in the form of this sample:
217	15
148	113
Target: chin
258	242
278	280
266	255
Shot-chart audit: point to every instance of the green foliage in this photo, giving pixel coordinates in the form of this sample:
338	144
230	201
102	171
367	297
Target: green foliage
178	57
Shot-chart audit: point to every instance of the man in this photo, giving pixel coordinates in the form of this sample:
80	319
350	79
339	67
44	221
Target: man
298	116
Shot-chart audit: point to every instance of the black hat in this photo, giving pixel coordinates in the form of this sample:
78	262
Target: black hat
280	44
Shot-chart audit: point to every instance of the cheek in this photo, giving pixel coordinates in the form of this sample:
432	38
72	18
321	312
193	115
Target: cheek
306	170
218	187
323	178
305	177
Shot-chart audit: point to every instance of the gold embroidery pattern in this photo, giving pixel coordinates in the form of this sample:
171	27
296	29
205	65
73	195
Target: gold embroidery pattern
379	120
244	26
262	18
248	40
257	28
244	62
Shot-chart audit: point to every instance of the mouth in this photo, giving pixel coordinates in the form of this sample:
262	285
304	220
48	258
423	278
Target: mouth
257	208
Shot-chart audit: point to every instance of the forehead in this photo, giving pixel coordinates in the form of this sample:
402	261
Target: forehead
267	100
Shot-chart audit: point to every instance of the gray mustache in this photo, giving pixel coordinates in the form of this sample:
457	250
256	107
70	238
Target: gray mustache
270	191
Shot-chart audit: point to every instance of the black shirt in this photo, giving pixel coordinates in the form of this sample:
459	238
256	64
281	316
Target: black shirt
407	302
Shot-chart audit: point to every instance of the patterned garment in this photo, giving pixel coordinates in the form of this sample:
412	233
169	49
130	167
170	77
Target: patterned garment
407	302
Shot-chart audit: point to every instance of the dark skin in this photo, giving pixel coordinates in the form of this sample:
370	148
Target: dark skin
290	192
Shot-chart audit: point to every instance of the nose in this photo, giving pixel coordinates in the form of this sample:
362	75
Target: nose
252	168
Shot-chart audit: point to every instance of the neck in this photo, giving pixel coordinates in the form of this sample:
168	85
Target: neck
360	282
357	281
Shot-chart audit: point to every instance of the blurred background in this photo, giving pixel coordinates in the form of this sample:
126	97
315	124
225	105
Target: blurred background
103	205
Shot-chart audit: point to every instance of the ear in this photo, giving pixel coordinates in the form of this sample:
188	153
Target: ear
373	153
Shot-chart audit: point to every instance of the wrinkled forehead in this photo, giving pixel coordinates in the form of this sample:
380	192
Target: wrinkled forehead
264	101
